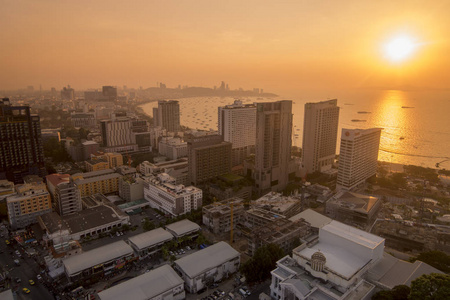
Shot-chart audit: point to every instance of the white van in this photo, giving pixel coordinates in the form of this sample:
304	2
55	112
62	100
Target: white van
242	292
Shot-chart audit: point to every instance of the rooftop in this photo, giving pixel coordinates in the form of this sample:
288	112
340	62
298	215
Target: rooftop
150	238
353	234
97	178
56	179
312	217
354	201
145	286
391	271
339	260
205	259
77	263
183	227
80	221
93	173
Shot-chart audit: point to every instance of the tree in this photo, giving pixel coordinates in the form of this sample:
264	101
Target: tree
399	179
56	150
431	287
83	133
165	252
437	259
383	295
263	261
148	225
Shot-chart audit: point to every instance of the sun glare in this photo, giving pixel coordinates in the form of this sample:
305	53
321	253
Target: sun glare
400	48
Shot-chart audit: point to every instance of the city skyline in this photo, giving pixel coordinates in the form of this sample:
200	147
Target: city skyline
283	47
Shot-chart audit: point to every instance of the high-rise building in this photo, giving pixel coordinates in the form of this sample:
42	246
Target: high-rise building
109	93
21	151
116	132
167	115
237	124
67	93
358	156
320	129
273	145
208	156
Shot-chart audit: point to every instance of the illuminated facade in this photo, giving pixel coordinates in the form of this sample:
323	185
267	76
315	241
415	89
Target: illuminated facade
103	182
320	127
31	201
358	156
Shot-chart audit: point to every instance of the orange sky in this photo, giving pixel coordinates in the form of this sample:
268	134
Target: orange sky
282	46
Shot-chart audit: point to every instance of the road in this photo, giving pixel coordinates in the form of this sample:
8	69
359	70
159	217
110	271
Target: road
28	269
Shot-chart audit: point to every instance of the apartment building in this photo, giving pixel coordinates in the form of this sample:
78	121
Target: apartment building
320	127
30	201
358	156
103	182
273	145
237	125
164	194
208	156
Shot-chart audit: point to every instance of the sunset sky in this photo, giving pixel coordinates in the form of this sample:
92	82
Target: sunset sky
282	46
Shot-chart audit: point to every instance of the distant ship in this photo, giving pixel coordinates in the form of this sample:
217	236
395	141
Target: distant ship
407	107
401	138
364	112
356	120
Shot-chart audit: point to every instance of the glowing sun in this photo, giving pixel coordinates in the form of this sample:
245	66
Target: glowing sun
399	48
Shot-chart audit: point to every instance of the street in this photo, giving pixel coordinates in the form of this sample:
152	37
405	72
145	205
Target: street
28	269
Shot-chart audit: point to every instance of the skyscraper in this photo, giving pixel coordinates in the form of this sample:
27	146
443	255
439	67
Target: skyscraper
358	156
237	124
208	156
273	145
320	129
167	115
21	151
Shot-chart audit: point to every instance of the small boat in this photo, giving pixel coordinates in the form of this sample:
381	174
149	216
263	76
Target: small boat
401	138
357	120
364	112
407	107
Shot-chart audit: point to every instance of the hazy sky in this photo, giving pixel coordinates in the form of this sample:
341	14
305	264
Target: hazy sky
282	46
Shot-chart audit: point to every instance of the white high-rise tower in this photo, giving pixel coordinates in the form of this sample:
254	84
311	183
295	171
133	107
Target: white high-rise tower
358	156
237	124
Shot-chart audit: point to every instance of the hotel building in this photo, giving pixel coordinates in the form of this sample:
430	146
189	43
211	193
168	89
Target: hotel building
237	125
358	156
320	129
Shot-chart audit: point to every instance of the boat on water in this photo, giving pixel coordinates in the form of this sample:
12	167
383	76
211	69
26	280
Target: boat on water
364	112
407	107
357	120
401	138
